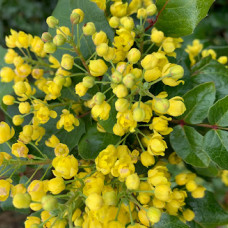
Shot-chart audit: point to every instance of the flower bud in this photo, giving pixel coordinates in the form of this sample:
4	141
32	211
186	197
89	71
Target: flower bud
99	98
134	55
80	13
188	215
46	37
49	203
177	72
114	22
110	198
141	13
191	185
102	49
162	192
157	36
56	185
147	159
223	60
122	105
138	114
132	182
74	18
99	38
127	22
8	100
7	74
117	77
120	91
94	202
67	61
97	67
129	80
89	29
21	200
88	81
154	214
24	107
59	80
49	47
151	10
18	120
37	73
199	192
59	40
52	22
160	105
80	89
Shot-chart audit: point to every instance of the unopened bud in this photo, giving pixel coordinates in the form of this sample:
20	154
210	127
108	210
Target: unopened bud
88	81
117	77
46	36
49	203
138	114
129	80
89	29
52	22
161	105
49	47
59	40
177	72
99	98
74	18
59	80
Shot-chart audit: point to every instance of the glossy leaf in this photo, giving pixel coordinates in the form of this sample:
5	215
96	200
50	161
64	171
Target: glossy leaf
187	143
169	221
94	142
198	101
211	71
218	113
216	145
180	17
207	211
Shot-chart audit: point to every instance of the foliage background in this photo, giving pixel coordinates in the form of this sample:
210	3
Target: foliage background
30	16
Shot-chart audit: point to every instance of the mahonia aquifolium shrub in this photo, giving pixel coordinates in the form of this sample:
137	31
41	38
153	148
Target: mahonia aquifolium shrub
107	191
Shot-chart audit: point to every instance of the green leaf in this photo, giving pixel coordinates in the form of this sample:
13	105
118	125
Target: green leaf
211	171
211	71
198	101
207	211
218	113
169	221
94	142
180	17
6	88
110	122
216	145
187	143
92	14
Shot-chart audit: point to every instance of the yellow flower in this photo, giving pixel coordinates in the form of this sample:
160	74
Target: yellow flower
97	67
162	192
100	3
66	167
53	141
67	120
119	9
132	181
5	132
94	202
160	124
188	215
7	74
157	145
31	220
176	106
106	159
101	111
80	89
37	190
99	38
21	200
54	61
61	150
20	150
67	61
154	215
56	185
4	190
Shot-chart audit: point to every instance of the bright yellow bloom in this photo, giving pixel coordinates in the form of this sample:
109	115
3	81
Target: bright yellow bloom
66	167
20	150
101	111
4	190
5	132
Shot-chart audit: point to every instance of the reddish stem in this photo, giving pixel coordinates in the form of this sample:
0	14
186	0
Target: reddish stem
152	22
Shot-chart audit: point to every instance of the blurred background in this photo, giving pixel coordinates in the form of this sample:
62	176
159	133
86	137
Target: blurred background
30	16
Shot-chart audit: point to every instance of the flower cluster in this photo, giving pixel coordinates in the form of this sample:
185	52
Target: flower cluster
124	76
